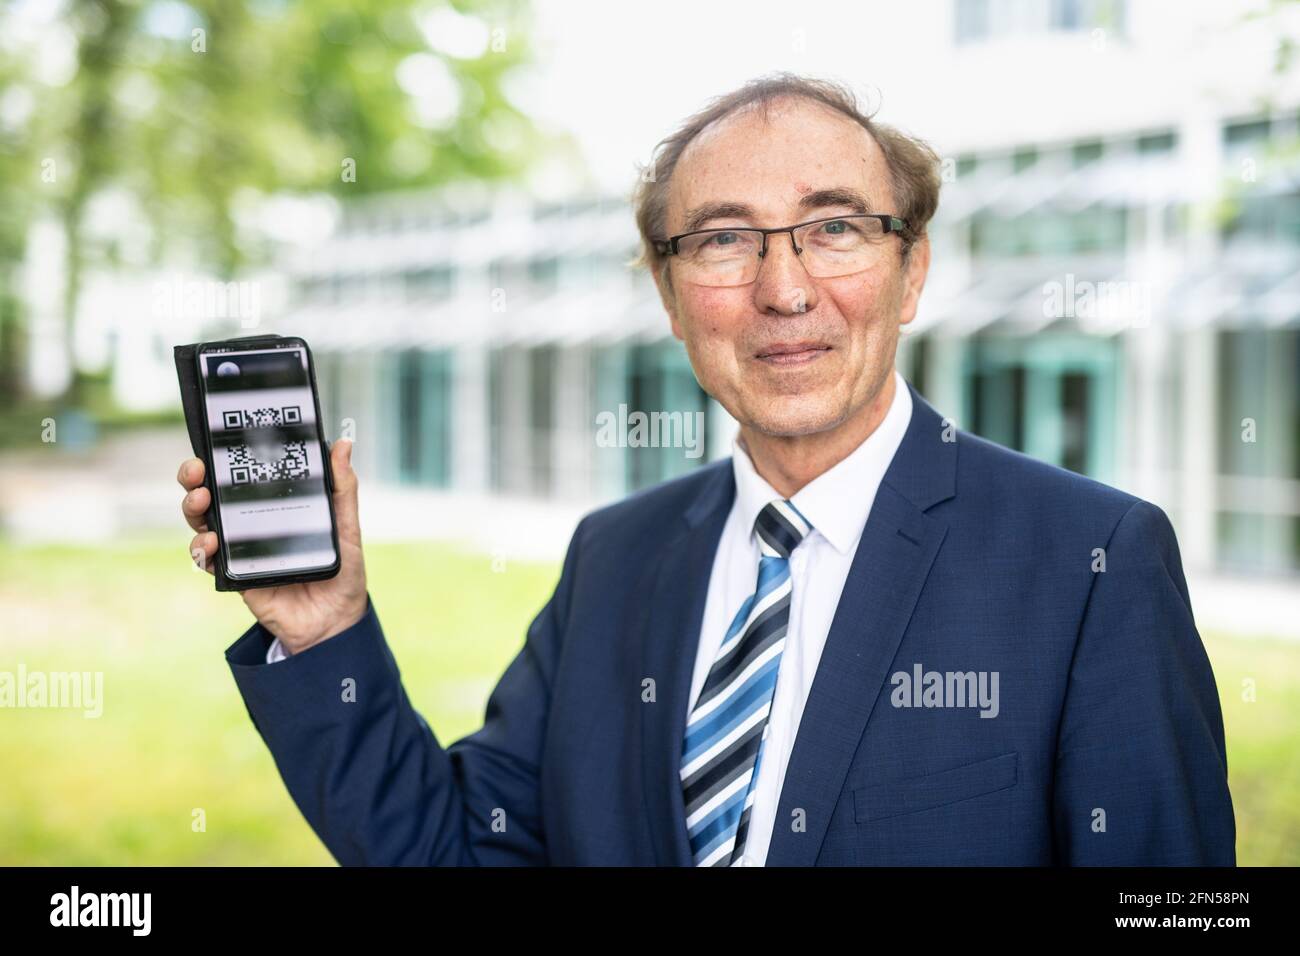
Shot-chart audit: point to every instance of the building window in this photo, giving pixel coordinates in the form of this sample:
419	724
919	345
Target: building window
522	441
543	273
1155	143
1086	152
432	282
1075	406
1258	524
660	381
985	19
541	419
1246	132
998	403
1051	397
1265	219
509	275
424	418
972	20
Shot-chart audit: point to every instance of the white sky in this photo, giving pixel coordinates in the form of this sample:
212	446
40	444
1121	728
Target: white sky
620	76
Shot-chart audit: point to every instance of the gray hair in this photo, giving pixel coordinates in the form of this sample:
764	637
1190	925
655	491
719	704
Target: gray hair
913	164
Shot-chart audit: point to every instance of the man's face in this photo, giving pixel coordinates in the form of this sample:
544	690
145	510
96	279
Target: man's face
789	354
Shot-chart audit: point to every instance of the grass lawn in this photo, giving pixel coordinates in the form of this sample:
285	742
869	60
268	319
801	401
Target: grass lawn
123	788
174	736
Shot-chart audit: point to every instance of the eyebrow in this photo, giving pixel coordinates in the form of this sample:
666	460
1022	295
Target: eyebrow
819	199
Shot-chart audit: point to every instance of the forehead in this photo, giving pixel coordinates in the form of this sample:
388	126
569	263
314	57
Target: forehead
770	163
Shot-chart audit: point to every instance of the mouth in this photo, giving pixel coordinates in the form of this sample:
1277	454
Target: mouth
791	353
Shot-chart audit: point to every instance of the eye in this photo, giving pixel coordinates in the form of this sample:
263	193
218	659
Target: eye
723	238
837	227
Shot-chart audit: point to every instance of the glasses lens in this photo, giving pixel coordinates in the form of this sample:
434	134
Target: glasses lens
836	247
840	247
721	258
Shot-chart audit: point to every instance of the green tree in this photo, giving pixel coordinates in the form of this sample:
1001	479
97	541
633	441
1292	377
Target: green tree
191	108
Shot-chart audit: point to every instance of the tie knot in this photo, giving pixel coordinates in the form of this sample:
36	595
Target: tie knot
780	528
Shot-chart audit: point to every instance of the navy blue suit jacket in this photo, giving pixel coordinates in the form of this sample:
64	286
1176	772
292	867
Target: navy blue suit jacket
1107	746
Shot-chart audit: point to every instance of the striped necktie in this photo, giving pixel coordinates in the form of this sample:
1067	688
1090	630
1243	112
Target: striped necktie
727	727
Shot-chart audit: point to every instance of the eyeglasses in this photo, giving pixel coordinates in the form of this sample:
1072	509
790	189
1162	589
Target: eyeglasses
835	246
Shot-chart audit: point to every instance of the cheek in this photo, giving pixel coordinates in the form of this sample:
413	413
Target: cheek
712	316
712	321
865	300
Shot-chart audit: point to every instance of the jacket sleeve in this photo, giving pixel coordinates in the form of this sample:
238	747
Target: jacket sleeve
1141	768
367	771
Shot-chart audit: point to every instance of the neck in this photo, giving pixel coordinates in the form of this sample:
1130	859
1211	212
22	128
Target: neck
788	462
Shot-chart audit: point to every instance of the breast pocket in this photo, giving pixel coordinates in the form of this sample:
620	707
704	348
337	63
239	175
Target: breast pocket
891	798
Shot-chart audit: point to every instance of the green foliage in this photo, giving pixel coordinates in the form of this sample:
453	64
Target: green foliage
185	113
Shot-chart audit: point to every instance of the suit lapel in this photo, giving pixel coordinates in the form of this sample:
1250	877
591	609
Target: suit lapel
676	611
890	567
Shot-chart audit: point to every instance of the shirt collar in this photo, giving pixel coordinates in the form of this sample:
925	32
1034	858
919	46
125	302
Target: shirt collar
838	501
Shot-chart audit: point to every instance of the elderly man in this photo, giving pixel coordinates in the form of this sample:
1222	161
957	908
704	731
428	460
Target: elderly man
866	638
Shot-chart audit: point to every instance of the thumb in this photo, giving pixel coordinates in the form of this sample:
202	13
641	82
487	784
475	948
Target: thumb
345	491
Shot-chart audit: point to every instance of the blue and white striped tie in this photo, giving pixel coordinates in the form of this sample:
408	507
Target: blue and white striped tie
727	727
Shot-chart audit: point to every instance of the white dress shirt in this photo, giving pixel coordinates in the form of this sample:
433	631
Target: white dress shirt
836	503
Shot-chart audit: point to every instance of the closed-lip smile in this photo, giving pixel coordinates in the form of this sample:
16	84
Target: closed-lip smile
792	353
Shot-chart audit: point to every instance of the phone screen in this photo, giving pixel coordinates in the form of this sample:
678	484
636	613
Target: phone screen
268	460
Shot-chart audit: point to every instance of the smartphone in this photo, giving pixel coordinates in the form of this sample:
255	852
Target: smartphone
272	502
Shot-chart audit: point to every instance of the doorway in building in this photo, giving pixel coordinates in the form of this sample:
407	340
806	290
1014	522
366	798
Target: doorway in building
1049	396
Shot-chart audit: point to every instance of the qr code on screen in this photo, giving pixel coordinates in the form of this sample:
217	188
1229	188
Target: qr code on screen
245	468
262	417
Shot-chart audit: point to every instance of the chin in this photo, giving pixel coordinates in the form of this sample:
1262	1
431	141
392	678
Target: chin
796	415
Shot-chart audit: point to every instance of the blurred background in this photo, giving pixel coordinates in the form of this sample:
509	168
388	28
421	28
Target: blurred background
435	195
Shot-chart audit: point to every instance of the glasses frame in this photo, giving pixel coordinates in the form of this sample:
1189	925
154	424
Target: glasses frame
890	223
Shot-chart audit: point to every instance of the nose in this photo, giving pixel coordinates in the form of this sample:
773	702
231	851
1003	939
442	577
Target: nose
783	286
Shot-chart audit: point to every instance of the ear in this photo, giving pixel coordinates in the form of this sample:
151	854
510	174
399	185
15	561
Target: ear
918	265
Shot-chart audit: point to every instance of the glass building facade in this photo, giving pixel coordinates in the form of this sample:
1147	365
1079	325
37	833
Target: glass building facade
1091	303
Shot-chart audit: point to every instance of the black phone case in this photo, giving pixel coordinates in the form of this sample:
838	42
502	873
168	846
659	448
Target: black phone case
187	372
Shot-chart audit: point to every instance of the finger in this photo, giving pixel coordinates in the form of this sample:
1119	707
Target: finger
345	491
202	549
195	508
191	473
